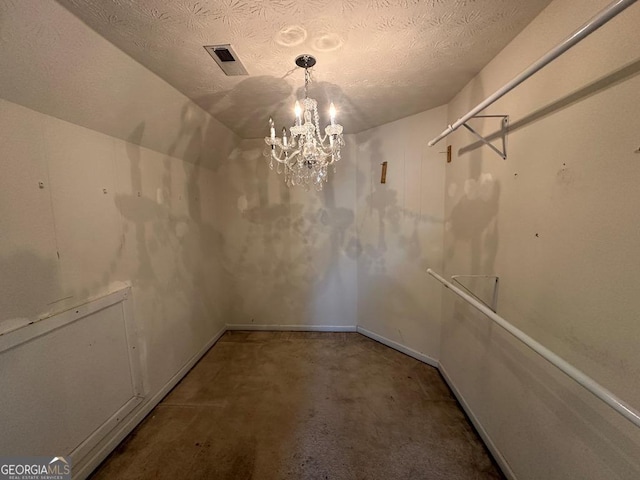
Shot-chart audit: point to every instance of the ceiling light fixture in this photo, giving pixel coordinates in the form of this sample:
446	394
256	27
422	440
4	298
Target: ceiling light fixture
306	156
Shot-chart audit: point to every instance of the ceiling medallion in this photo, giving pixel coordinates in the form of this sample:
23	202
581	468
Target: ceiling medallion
305	157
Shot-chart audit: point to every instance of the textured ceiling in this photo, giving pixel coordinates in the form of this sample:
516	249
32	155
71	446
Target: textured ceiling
378	60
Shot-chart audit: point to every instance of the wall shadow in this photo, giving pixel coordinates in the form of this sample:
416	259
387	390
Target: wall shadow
608	81
474	220
175	262
394	246
268	97
275	97
285	247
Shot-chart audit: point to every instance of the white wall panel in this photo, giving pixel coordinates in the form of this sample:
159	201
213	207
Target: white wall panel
400	231
68	379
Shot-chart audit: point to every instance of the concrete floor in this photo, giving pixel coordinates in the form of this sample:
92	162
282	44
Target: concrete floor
278	405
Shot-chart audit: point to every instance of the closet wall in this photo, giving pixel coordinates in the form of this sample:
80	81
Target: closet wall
400	232
558	222
108	178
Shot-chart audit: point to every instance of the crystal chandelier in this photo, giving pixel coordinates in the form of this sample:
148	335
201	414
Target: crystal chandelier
306	155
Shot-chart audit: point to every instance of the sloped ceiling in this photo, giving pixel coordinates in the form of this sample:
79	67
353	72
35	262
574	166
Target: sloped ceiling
378	60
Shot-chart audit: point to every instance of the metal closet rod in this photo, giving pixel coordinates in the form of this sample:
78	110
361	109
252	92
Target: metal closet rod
592	25
587	382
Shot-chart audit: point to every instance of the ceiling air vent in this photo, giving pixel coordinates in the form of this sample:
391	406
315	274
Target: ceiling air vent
226	59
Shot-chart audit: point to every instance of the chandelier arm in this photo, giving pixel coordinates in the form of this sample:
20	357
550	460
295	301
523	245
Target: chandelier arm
326	151
288	155
294	154
277	157
305	157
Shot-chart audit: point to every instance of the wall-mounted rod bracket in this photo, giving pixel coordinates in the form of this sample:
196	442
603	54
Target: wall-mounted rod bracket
588	383
591	26
504	125
494	297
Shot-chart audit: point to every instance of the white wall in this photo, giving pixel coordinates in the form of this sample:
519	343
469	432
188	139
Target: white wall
291	252
193	218
55	64
110	210
400	231
355	253
558	222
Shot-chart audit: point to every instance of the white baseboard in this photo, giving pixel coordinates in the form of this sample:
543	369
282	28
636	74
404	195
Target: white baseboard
101	452
398	346
293	328
495	452
117	435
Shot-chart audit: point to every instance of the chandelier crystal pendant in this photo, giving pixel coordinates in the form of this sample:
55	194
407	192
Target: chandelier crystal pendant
306	155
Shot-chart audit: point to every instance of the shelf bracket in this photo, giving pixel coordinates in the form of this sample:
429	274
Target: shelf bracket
504	125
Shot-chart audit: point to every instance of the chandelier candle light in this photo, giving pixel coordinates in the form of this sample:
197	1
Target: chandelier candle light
305	157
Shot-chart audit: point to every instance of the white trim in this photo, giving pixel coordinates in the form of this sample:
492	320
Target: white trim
495	452
131	333
25	333
103	430
398	346
293	328
87	466
135	370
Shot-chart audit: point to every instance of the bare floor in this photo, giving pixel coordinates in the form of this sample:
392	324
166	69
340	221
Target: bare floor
292	405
